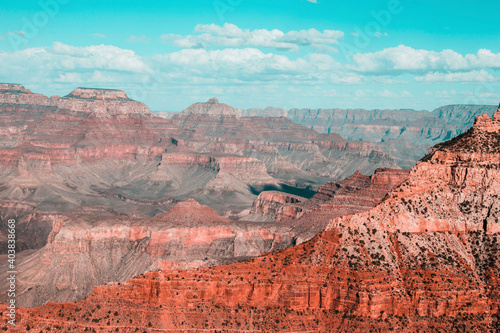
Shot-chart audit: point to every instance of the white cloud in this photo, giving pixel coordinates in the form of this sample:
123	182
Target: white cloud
473	76
407	59
19	33
98	35
234	71
384	94
231	62
137	39
441	93
363	93
489	95
387	80
243	63
68	64
388	94
69	77
95	56
2	37
230	35
346	78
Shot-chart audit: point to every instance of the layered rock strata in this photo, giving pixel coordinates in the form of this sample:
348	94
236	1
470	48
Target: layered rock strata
425	259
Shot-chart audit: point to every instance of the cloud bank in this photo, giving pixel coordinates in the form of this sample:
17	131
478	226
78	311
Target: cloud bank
230	35
261	65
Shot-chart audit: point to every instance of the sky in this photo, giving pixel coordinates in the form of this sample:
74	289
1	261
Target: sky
396	54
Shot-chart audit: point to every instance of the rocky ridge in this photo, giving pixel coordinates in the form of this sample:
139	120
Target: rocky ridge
188	235
71	166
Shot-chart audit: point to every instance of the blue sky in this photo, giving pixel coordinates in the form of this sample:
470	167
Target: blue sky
253	53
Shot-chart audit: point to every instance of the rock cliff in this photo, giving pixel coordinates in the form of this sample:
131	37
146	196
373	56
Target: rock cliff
84	251
101	103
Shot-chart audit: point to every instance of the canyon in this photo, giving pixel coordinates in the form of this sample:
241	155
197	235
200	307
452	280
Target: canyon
425	258
220	219
95	175
97	150
84	251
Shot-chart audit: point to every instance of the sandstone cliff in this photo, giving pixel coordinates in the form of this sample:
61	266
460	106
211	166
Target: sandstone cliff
121	150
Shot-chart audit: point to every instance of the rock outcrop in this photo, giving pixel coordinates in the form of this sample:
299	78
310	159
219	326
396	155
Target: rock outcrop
425	259
290	151
275	206
221	120
18	94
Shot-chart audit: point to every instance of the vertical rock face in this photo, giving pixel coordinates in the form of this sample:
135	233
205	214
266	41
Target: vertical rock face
214	119
485	123
89	176
275	206
188	235
98	94
290	151
426	258
13	88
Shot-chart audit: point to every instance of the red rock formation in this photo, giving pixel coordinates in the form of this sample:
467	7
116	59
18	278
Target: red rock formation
101	103
46	144
212	108
247	169
355	194
275	206
17	94
221	120
404	134
188	235
106	166
426	259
